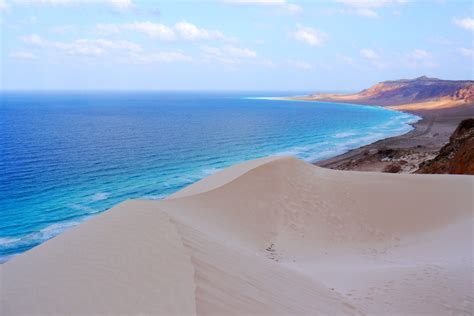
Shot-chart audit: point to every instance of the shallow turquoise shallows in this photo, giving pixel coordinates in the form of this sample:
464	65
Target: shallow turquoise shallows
67	156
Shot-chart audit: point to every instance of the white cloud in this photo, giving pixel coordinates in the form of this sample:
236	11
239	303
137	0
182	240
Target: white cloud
211	50
374	58
345	59
86	47
369	54
419	54
181	30
309	35
267	63
371	3
256	2
80	47
49	2
63	29
366	12
158	57
191	32
4	7
230	51
107	29
23	55
299	64
292	9
95	47
29	20
121	5
44	2
282	5
228	54
417	58
240	52
34	39
466	23
440	40
468	52
151	29
367	8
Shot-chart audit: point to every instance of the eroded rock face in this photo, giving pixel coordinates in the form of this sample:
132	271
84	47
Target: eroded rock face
456	157
466	93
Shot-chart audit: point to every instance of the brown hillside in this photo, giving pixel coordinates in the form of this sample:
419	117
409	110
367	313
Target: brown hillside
456	157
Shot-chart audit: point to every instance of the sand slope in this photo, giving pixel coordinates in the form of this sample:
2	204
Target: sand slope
270	236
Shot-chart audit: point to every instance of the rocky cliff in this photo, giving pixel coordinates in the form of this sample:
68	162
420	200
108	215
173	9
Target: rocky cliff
456	157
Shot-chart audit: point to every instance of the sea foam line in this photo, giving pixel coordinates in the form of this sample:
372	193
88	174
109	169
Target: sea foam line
35	238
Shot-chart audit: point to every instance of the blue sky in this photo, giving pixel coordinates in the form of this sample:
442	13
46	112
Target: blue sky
339	45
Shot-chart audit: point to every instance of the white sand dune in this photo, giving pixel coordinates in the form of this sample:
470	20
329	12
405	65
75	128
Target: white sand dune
270	236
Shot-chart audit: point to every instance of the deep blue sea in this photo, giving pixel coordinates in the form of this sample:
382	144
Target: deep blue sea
67	156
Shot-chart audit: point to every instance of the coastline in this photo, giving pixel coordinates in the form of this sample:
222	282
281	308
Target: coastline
243	241
421	143
85	200
370	157
413	123
402	153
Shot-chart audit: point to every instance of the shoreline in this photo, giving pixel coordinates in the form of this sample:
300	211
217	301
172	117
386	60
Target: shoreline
345	161
430	133
13	242
337	161
403	153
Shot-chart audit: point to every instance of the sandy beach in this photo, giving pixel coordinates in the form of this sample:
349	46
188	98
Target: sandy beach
411	149
269	236
442	105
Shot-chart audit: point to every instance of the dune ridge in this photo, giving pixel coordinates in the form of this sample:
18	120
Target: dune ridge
270	236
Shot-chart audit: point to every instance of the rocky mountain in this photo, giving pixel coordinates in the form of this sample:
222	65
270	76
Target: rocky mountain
421	89
408	91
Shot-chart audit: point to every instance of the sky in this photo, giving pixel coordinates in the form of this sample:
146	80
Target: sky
268	45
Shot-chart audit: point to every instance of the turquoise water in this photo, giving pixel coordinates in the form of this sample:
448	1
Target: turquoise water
67	156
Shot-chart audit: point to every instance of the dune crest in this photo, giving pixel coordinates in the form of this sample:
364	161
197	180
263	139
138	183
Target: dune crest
270	236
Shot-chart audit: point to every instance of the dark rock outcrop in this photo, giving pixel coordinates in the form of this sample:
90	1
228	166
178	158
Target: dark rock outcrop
466	94
457	156
393	168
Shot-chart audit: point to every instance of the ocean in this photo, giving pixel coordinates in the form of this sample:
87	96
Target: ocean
65	156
